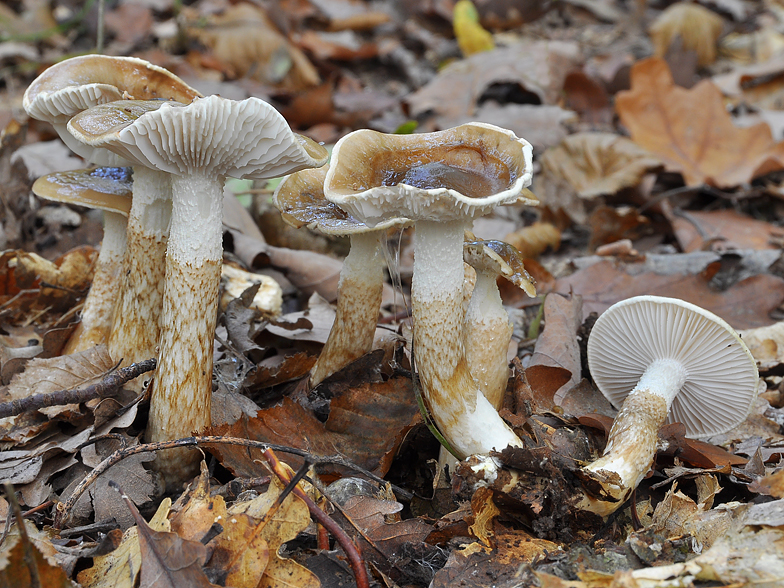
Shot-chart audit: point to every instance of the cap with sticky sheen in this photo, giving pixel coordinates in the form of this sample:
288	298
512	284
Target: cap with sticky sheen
719	373
103	188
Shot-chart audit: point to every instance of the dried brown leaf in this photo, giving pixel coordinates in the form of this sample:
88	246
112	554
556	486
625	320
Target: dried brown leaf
15	565
691	131
730	229
745	305
696	26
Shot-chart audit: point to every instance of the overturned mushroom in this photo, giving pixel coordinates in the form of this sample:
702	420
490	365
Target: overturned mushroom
109	190
300	199
442	181
486	328
662	360
198	145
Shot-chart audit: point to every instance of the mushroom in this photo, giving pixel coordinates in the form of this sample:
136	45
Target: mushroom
486	327
442	181
71	87
107	189
662	360
300	199
199	145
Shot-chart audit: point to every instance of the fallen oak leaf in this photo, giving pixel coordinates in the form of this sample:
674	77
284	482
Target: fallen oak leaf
691	131
168	561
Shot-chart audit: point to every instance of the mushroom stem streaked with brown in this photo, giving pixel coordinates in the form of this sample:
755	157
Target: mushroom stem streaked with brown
486	328
109	190
441	181
300	199
198	145
662	359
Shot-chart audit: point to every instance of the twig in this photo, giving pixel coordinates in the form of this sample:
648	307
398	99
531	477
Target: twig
62	509
100	32
29	554
701	189
105	388
351	551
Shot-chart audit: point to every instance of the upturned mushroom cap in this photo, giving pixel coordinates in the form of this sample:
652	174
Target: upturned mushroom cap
79	83
458	173
301	202
721	375
103	188
213	135
502	259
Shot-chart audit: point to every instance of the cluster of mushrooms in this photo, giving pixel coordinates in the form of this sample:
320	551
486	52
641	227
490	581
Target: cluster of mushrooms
161	257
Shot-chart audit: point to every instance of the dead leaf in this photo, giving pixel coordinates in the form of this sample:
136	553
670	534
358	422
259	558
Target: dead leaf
535	239
691	131
587	97
341	46
284	525
760	84
244	38
772	485
15	564
697	27
766	343
168	560
537	68
365	425
745	305
120	568
557	345
351	14
730	229
609	225
471	37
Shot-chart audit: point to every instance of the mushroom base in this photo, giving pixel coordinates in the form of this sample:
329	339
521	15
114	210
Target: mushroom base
628	456
182	392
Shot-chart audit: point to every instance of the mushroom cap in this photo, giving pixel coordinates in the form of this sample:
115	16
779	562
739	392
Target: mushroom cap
722	377
458	173
301	201
242	139
501	259
102	188
79	83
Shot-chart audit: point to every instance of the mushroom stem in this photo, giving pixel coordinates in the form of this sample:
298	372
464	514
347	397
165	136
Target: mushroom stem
359	299
487	332
181	396
136	327
631	444
464	416
100	301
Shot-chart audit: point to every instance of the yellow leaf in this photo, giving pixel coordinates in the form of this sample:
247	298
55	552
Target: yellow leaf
471	37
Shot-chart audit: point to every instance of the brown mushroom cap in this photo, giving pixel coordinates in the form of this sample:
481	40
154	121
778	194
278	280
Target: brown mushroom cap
501	259
79	83
301	201
102	188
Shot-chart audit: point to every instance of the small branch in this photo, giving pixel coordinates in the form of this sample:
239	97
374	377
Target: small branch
29	554
62	509
351	551
105	388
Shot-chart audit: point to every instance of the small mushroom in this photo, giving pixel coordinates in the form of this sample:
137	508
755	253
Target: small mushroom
198	145
442	181
300	199
107	189
486	327
662	360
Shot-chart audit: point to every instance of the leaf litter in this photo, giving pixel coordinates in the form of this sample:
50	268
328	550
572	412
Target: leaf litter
680	195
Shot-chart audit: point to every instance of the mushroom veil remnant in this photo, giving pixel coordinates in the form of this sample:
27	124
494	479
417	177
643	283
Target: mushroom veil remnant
300	199
199	145
441	181
663	360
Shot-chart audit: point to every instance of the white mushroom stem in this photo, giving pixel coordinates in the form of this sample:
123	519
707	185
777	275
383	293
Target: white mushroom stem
465	418
136	330
100	301
631	444
181	396
487	332
359	299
